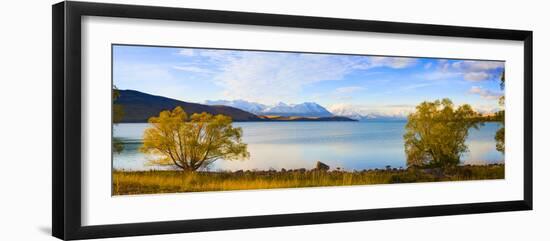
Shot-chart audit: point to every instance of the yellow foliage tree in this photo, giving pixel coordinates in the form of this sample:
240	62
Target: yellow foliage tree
192	143
499	136
436	133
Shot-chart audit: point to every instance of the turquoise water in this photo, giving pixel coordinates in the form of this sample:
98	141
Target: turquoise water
290	145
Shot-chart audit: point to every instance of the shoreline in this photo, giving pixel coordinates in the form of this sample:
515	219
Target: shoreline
498	163
175	181
353	121
271	121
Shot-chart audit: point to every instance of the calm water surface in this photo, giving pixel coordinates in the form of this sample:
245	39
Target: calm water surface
290	145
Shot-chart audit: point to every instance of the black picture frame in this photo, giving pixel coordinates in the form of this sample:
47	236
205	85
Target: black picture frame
66	127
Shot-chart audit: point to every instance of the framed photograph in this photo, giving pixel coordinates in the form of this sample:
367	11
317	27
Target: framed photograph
171	120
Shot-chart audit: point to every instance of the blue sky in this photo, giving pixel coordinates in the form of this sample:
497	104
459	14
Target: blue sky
361	83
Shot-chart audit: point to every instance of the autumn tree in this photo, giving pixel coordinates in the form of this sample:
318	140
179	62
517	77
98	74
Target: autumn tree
192	143
436	133
499	136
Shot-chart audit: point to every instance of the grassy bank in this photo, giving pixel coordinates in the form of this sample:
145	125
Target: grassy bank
146	182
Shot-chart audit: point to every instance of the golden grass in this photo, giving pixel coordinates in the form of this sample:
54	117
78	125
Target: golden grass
148	182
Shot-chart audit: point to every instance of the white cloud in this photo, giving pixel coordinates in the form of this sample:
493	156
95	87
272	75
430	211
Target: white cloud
407	88
348	89
477	76
391	62
186	52
478	70
219	56
272	77
428	65
269	77
415	86
193	69
440	75
478	65
486	109
485	94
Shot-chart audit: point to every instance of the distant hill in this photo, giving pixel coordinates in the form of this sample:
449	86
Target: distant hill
139	106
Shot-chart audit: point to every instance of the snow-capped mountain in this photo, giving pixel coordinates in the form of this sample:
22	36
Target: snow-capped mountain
255	108
306	109
347	112
371	113
388	112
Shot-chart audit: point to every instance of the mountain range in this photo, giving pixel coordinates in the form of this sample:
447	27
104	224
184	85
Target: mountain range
306	109
138	107
362	114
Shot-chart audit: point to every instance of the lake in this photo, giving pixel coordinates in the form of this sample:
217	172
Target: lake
291	145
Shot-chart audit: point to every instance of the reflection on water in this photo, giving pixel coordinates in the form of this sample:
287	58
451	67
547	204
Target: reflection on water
348	145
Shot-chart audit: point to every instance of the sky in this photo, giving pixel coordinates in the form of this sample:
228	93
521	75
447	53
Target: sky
358	82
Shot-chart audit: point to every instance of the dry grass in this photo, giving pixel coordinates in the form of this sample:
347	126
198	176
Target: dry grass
147	182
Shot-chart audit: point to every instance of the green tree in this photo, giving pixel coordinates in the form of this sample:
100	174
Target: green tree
499	136
118	113
192	143
436	133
